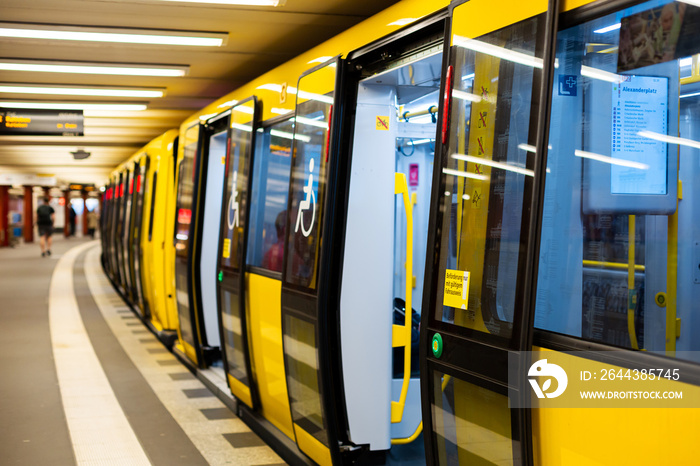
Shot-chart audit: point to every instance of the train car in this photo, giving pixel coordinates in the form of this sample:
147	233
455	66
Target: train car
521	185
138	236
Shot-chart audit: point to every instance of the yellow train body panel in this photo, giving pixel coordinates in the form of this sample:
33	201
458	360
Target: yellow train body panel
607	436
264	308
157	249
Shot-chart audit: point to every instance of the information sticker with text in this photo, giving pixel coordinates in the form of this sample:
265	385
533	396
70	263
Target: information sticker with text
456	289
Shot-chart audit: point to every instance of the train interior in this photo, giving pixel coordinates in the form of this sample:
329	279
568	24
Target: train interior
395	127
635	173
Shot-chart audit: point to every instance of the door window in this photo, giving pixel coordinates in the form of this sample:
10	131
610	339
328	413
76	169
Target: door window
488	175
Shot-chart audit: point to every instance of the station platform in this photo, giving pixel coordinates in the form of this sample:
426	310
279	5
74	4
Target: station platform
85	382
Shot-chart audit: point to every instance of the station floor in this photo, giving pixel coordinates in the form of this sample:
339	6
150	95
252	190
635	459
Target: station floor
84	382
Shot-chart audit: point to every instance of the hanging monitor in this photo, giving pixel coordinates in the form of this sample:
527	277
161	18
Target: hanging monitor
629	168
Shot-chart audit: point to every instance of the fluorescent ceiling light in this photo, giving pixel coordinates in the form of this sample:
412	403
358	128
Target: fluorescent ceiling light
286	135
499	52
421	141
607	29
683	96
611	160
310	122
494	164
85	91
122	36
246	128
688	61
280	111
449	171
236	2
457	94
670	139
527	147
93	68
73	106
595	73
467	77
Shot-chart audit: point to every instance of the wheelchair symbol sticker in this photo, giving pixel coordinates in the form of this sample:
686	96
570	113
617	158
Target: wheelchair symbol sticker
233	204
306	204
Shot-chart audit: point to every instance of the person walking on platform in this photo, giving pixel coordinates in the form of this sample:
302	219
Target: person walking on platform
72	216
92	222
44	221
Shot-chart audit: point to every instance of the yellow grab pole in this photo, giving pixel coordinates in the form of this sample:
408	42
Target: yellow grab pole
631	289
401	334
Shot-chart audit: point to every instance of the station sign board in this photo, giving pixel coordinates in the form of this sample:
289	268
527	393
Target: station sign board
36	122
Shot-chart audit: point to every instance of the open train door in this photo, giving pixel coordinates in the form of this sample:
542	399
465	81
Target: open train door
495	98
305	328
233	318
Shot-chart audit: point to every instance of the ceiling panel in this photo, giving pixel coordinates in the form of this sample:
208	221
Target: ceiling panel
259	39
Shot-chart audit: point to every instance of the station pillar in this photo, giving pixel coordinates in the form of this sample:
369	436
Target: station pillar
66	214
28	214
4	215
85	212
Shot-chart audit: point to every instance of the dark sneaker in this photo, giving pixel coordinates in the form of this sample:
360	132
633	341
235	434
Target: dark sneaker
48	252
43	254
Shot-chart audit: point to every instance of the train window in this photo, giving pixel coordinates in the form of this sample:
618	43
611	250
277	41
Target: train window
619	255
309	164
153	206
269	193
185	192
489	175
236	190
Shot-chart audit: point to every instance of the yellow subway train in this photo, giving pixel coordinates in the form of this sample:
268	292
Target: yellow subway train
517	177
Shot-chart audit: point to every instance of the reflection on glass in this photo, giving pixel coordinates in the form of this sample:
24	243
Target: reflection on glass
309	167
233	336
618	262
301	357
489	176
471	425
236	192
268	214
185	193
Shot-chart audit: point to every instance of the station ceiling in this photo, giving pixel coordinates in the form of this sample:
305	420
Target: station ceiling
259	38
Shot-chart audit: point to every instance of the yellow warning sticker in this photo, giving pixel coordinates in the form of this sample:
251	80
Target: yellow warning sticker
456	289
223	160
227	248
382	123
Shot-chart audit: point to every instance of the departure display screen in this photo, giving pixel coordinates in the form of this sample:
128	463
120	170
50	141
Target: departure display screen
639	162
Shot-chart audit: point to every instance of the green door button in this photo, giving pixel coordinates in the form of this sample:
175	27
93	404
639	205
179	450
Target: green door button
437	345
221	275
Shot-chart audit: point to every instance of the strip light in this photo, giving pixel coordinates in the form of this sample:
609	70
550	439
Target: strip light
602	75
93	68
122	36
608	29
84	91
73	106
449	171
494	164
670	139
457	94
611	160
499	52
